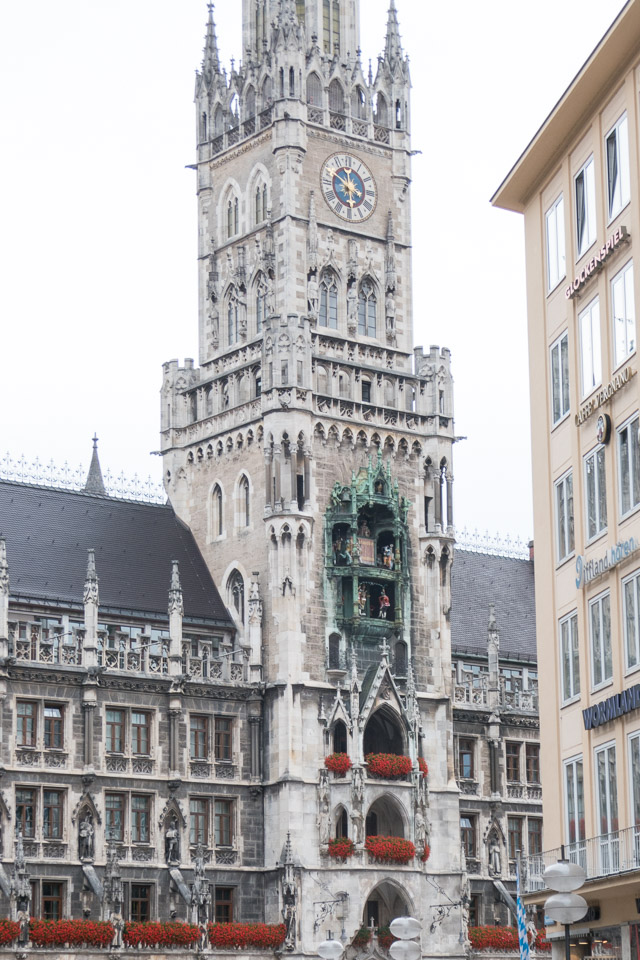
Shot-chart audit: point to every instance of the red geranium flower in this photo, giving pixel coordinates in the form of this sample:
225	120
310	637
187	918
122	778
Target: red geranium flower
388	765
422	766
341	848
394	849
338	763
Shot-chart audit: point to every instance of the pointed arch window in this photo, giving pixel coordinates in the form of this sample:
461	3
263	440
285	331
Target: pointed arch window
218	122
292	82
359	104
314	90
250	104
328	312
233	216
336	97
217	514
244	501
203	126
382	112
233	329
367	309
331	25
235	593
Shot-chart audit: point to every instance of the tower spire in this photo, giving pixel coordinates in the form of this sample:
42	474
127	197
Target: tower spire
393	44
95	483
211	58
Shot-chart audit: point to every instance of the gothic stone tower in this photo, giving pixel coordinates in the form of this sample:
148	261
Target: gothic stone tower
310	453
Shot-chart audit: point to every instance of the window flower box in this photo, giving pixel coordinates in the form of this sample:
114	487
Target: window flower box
264	936
390	849
503	938
385	937
75	933
338	763
160	934
341	847
388	766
362	937
9	931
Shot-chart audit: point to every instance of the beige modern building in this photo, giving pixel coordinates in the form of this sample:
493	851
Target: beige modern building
578	186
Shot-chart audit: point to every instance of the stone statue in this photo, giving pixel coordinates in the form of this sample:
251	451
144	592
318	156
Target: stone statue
357	786
357	821
352	308
200	893
215	327
172	843
420	830
312	296
390	313
271	297
324	821
86	834
495	859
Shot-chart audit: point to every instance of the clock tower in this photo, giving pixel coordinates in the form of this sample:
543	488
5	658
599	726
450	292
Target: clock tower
310	452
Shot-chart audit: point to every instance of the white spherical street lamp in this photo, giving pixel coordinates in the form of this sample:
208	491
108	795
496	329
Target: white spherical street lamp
565	906
330	949
405	947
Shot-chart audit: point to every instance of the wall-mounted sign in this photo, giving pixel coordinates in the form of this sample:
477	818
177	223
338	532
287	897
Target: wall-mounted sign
603	428
616	383
588	570
612	708
597	262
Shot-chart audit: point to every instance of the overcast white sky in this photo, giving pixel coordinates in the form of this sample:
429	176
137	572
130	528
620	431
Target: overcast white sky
98	217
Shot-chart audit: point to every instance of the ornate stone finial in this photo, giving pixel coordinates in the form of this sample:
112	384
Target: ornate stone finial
289	897
4	569
255	600
393	44
95	483
90	594
211	59
176	602
384	650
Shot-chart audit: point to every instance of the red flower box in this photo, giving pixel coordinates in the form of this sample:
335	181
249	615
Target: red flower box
388	765
56	933
393	849
9	931
426	853
338	763
362	937
267	936
422	766
160	934
341	848
385	937
502	938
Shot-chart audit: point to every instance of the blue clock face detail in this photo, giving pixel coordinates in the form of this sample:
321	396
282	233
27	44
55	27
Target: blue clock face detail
348	187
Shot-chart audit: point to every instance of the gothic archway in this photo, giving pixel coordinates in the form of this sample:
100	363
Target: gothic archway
386	902
383	733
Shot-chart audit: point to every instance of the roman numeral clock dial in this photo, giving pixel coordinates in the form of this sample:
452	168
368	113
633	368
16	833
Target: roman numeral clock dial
348	187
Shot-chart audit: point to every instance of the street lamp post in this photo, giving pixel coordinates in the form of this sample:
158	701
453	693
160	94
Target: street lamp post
406	929
565	906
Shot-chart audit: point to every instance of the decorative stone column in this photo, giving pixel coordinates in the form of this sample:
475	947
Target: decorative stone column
255	726
89	705
176	613
175	715
91	601
4	600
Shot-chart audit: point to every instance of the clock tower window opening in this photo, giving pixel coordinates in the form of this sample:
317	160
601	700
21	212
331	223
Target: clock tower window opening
233	208
382	111
300	12
328	313
367	305
331	26
314	90
336	97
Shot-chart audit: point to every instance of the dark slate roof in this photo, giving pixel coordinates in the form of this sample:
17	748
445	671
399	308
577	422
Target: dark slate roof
478	579
49	531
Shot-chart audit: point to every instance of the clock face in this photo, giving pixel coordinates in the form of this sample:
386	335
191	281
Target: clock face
348	187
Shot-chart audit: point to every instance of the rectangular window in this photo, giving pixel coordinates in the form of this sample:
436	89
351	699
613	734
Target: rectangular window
631	618
52	899
600	628
585	184
115	731
199	738
560	402
224	823
140	902
623	310
554	221
140	734
140	819
468	835
595	493
512	758
532	760
366	391
114	816
634	767
52	801
564	516
534	830
617	151
223	905
607	790
629	465
590	354
223	732
574	800
570	657
466	751
514	825
53	727
26	812
199	821
27	715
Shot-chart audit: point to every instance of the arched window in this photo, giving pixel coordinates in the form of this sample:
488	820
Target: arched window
339	737
343	386
265	201
342	823
281	79
389	394
235	593
331	25
218	122
292	82
217	515
233	328
236	207
267	91
234	117
328	312
322	381
401	658
336	97
203	126
229	218
300	11
358	104
367	306
334	651
244	501
382	113
314	90
258	209
261	301
398	115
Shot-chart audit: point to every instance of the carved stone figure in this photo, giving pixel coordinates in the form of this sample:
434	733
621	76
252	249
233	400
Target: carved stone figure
215	327
420	830
271	297
172	842
312	296
352	308
86	834
357	821
390	313
495	859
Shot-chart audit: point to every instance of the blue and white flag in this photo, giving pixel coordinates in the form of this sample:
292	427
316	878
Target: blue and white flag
522	919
